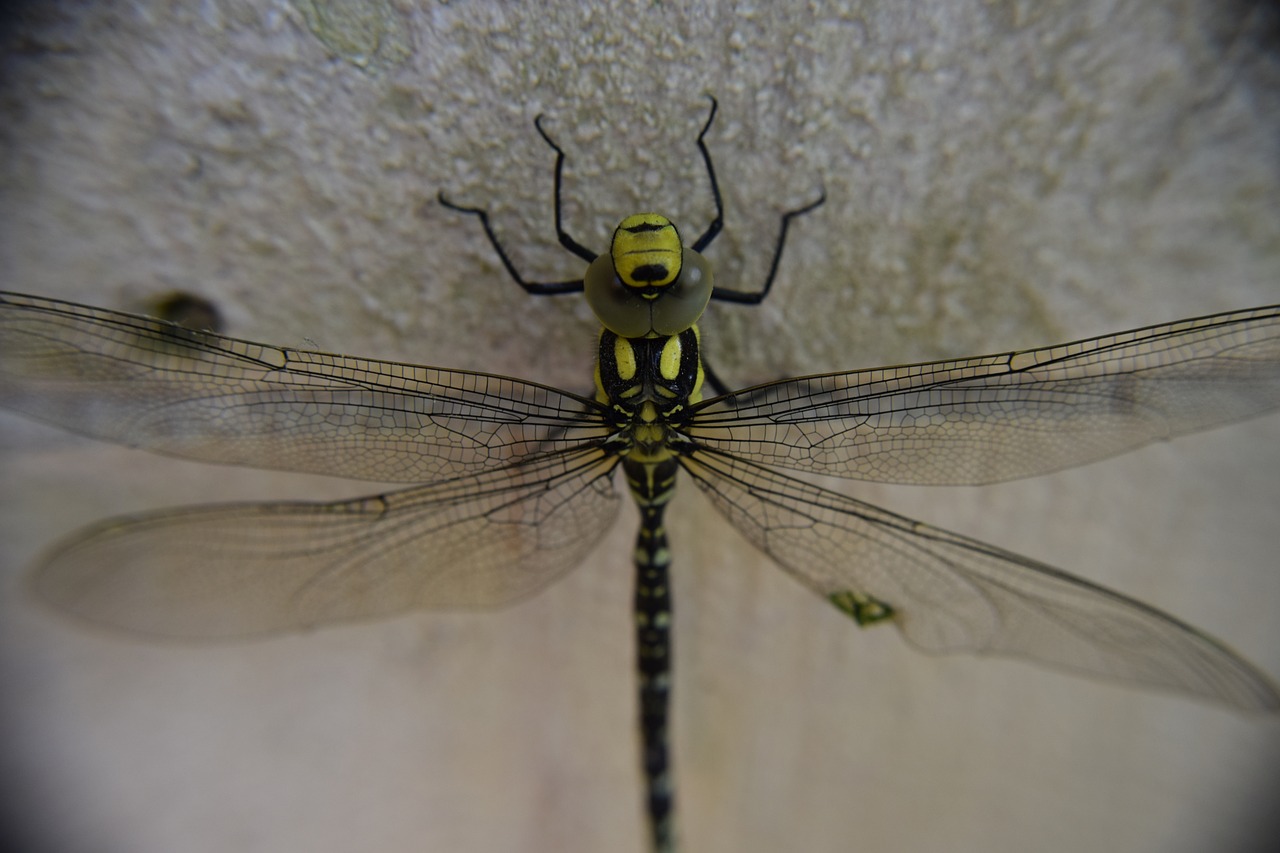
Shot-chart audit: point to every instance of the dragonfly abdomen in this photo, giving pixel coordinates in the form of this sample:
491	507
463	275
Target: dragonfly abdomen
648	383
652	485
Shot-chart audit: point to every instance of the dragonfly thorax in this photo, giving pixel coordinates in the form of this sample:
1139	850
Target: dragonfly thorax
648	382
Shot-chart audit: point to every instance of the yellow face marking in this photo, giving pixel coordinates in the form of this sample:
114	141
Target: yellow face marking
669	361
624	357
646	251
601	395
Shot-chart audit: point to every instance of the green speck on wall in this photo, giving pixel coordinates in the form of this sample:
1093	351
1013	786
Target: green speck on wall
864	609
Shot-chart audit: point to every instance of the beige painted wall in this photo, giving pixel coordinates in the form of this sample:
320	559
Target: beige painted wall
1000	174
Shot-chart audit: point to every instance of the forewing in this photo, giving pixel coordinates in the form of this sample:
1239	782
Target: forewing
1000	417
951	594
240	570
150	384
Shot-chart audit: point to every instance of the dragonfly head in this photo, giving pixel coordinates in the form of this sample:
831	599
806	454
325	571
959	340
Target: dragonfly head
649	284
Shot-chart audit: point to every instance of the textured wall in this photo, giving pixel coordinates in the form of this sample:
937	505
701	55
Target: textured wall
999	174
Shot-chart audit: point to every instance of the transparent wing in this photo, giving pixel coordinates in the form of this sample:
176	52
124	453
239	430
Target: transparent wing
1000	417
948	593
247	569
150	384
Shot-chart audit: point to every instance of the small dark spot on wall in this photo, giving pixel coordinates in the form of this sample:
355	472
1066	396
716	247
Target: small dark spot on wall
187	310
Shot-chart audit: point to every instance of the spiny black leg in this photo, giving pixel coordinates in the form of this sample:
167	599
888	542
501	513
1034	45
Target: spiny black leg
537	288
713	230
716	224
540	288
563	236
748	297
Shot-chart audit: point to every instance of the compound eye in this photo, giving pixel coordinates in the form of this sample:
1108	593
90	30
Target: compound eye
633	313
620	309
682	302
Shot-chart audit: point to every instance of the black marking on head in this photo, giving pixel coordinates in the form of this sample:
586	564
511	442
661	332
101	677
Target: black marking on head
646	226
650	272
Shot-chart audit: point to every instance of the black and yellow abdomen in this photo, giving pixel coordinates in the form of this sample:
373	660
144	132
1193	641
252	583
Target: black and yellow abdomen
649	383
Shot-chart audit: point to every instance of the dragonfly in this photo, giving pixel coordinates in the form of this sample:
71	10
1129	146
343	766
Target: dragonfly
508	483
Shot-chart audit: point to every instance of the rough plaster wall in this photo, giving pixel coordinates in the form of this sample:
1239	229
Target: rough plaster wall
999	174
